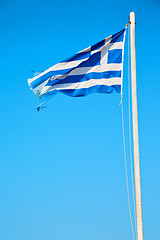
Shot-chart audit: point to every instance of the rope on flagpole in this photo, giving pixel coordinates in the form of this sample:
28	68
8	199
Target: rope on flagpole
126	171
129	205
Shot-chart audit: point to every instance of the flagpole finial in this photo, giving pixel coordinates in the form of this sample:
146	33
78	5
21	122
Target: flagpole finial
128	23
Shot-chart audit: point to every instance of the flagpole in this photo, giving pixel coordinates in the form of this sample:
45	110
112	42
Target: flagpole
135	129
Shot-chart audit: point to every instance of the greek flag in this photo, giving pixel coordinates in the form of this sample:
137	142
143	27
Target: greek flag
96	69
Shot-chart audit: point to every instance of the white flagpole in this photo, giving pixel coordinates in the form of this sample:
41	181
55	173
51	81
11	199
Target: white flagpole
135	129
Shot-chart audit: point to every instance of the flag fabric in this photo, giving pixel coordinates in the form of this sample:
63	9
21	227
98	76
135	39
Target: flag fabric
98	68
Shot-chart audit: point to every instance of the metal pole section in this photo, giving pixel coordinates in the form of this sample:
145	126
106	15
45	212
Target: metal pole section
135	129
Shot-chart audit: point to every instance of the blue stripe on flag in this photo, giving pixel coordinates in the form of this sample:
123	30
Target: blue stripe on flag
118	37
98	45
86	77
93	60
86	91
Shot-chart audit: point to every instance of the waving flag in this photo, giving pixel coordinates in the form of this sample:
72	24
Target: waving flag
95	69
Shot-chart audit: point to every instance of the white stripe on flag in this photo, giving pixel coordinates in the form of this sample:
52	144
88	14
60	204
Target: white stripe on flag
85	84
99	68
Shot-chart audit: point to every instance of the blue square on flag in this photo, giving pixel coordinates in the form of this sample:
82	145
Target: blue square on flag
115	56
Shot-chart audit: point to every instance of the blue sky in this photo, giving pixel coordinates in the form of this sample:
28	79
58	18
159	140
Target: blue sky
62	174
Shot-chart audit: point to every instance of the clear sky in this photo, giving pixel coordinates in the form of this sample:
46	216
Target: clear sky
62	174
